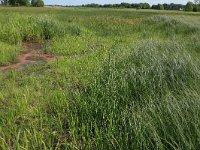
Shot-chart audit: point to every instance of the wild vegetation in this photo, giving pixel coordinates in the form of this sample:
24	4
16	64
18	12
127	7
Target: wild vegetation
34	3
122	79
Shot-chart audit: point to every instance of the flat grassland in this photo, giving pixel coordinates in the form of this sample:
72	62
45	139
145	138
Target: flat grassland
120	79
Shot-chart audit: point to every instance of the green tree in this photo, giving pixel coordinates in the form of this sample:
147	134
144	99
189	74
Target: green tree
37	3
18	2
189	6
33	2
145	6
24	2
160	7
196	6
12	2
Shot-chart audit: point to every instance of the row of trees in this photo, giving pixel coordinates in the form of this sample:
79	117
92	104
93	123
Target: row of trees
35	3
190	6
171	6
122	5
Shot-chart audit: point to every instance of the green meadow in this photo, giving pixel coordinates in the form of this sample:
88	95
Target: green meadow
122	79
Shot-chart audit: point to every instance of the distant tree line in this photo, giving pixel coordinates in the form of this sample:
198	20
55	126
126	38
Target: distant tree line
190	6
171	6
122	5
35	3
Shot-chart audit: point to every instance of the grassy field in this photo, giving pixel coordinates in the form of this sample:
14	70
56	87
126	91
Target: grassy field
123	79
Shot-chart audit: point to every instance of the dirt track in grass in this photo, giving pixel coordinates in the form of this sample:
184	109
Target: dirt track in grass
32	53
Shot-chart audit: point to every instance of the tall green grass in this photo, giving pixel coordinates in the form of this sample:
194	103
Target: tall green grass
141	101
122	79
8	53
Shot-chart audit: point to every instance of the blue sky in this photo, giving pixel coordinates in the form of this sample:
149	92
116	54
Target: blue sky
79	2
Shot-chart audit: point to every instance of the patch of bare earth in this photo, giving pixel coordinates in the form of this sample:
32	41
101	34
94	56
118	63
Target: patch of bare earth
31	54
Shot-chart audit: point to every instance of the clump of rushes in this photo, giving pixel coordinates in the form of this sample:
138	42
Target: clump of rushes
178	25
19	28
139	101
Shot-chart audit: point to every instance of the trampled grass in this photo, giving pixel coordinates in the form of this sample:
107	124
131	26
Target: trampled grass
122	79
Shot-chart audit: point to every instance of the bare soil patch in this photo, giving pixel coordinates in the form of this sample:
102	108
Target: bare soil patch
31	54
